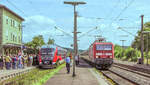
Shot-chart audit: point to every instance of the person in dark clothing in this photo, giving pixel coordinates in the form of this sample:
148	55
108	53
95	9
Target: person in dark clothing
34	60
1	62
14	62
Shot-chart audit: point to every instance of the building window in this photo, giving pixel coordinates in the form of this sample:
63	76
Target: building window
16	39
19	39
11	22
16	24
6	21
20	27
7	35
11	37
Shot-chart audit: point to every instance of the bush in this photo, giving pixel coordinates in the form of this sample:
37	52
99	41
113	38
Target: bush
128	54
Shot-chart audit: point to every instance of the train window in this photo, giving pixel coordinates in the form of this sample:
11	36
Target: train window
47	50
43	51
50	55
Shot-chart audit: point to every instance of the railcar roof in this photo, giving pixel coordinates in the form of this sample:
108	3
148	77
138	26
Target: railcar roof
49	46
103	43
53	46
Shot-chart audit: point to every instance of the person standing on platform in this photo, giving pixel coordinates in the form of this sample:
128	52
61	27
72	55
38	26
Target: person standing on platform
31	60
68	64
8	62
23	61
14	62
1	62
19	61
77	59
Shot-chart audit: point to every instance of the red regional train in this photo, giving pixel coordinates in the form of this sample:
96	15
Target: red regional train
51	55
101	54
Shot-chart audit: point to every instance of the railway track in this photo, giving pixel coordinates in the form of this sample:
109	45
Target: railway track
117	79
126	75
134	71
134	68
136	76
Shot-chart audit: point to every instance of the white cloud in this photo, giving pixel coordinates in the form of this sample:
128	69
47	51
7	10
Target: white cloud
41	25
35	25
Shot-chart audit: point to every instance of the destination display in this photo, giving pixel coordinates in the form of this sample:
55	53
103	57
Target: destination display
103	47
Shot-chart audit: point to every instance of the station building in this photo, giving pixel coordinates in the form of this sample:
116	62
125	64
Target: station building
10	31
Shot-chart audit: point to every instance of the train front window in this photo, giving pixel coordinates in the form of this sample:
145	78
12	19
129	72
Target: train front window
47	50
103	47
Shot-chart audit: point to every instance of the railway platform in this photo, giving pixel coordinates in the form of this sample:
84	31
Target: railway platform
85	75
6	74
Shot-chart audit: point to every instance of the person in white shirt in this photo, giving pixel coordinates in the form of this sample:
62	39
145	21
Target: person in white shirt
77	59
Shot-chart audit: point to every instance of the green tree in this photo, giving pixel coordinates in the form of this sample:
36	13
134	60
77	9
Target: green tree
129	54
36	43
50	41
118	51
136	43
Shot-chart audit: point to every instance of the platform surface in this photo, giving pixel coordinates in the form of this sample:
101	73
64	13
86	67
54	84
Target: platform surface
85	75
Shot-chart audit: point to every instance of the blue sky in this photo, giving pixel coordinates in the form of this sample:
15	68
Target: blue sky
42	15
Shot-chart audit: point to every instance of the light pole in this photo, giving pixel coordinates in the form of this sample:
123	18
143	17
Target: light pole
74	3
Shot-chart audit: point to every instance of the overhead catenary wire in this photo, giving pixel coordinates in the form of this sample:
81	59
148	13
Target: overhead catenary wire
88	32
63	31
122	11
113	9
127	31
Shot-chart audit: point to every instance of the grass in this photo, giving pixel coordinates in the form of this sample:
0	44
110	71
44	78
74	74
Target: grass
49	75
145	61
34	77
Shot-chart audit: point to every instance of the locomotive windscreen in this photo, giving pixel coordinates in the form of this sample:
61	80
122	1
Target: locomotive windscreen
47	50
103	47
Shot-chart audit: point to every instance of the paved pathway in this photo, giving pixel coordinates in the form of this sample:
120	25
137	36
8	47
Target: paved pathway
85	75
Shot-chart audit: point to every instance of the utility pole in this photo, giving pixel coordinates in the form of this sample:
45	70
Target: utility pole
142	42
147	48
122	45
147	32
75	31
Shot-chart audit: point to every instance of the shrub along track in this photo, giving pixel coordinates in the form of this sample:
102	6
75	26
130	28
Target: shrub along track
34	77
123	76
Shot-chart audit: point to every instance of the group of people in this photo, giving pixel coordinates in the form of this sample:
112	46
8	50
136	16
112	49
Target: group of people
68	61
17	61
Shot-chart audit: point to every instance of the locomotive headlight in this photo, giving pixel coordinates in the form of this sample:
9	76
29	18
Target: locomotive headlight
96	56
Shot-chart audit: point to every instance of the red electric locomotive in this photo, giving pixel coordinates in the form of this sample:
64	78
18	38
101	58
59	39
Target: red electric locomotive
101	54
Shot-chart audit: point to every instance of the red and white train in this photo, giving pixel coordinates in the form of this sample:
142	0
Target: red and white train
101	54
50	55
